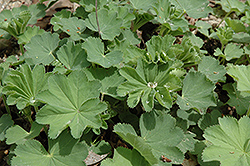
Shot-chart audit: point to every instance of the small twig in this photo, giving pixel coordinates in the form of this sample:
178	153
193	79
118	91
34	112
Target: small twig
99	31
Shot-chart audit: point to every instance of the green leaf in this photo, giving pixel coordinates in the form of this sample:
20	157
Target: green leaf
109	23
29	33
24	85
95	53
73	27
58	16
137	4
65	151
5	123
212	69
148	81
203	27
37	11
242	75
157	47
196	9
187	118
236	25
89	5
129	135
233	51
41	47
18	135
236	100
230	142
197	92
126	157
72	56
109	78
232	5
163	10
209	119
71	101
159	136
160	132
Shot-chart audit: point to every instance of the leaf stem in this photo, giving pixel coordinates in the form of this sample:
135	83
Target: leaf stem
6	105
36	109
97	21
102	96
27	113
21	48
223	19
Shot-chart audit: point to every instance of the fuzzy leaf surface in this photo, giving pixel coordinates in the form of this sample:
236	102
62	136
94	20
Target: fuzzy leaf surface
72	56
24	85
109	24
64	151
95	53
148	81
71	101
197	92
230	142
5	123
126	157
196	9
242	75
29	33
18	135
40	49
212	69
159	136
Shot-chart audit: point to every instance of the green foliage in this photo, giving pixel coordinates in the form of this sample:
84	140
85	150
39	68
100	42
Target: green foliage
24	85
155	76
71	101
229	138
193	96
149	81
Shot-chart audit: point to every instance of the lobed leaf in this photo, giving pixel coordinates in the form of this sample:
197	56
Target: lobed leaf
230	142
71	101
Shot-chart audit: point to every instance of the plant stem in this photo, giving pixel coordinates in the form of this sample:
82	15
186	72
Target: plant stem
22	49
27	113
6	105
99	31
102	97
223	19
36	108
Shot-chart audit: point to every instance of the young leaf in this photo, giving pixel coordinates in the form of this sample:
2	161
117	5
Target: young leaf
242	75
197	92
64	151
5	123
71	101
149	81
40	49
109	24
212	69
196	9
72	56
24	85
18	135
236	100
126	157
95	53
158	46
230	142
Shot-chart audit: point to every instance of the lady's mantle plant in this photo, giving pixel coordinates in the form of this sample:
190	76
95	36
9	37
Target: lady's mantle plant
160	92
